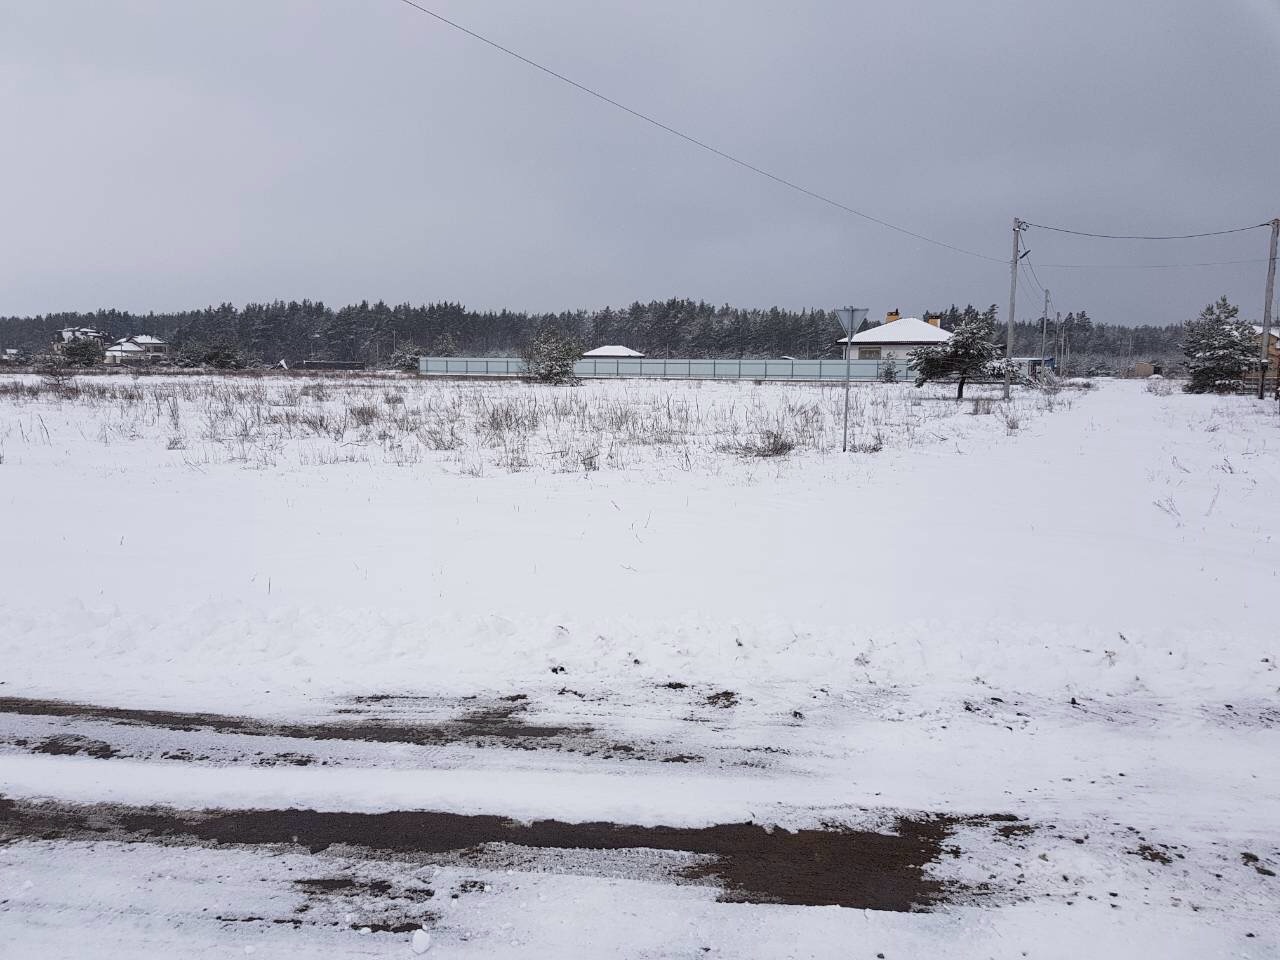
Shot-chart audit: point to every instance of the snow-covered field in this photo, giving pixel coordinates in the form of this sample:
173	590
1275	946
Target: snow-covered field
1003	682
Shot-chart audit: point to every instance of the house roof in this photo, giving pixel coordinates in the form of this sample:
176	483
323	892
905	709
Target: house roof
125	346
141	338
74	333
904	330
1274	331
613	350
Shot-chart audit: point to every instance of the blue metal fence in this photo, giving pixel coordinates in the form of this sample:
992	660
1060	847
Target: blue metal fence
598	368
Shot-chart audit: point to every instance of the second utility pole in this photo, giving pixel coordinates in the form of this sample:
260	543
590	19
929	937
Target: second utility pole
1044	327
1013	295
1266	310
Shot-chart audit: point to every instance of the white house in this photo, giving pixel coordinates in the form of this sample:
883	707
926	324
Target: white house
70	334
152	344
67	334
613	352
893	340
125	351
136	349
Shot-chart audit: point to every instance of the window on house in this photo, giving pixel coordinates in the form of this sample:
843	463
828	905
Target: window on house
868	353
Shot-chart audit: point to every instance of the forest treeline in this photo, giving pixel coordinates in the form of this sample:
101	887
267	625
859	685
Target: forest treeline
382	335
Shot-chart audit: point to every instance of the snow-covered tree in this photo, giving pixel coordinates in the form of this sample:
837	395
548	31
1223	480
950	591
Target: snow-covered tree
1221	349
85	352
970	353
549	357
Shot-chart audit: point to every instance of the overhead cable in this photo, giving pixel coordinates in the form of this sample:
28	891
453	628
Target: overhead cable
701	144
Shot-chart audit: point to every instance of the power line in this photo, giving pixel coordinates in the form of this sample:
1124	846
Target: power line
1023	286
1145	266
815	195
1031	277
701	144
1032	268
1114	236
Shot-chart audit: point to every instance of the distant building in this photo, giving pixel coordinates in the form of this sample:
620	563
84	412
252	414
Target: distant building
1032	366
1273	348
143	348
70	334
67	334
894	339
613	352
124	352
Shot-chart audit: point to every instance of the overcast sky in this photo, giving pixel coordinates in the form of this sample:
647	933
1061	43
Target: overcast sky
161	155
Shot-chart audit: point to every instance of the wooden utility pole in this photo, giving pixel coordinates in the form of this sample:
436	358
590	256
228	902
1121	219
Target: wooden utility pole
1044	327
1266	309
1013	297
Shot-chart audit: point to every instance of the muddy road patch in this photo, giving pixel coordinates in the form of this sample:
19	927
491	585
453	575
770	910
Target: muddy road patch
746	862
502	723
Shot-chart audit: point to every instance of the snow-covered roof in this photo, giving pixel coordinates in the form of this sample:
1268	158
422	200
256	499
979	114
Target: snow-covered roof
126	346
613	350
903	330
1274	331
142	338
75	333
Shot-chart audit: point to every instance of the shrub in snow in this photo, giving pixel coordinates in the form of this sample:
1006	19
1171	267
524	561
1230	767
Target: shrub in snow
971	353
1220	349
363	414
1009	417
218	357
1048	381
57	376
406	358
889	371
549	357
770	443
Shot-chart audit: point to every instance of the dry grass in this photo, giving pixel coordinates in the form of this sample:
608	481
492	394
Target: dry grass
480	428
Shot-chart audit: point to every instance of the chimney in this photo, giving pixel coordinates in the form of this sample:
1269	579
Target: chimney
892	315
933	319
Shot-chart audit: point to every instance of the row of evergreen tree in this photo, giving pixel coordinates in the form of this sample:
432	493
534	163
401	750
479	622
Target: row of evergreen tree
377	333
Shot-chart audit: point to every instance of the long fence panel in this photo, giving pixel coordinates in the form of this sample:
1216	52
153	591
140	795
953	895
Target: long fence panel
596	368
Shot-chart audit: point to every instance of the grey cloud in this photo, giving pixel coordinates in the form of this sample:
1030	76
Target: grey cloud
165	155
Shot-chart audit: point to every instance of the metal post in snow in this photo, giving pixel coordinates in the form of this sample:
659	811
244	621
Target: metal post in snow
848	364
850	318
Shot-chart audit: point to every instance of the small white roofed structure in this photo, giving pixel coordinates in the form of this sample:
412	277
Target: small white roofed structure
124	351
905	330
895	339
614	351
